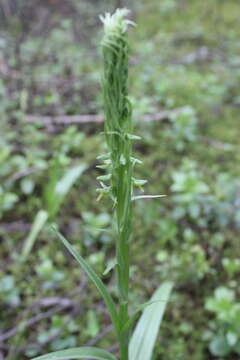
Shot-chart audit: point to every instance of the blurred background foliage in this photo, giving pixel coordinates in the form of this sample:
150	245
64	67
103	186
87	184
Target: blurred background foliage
184	75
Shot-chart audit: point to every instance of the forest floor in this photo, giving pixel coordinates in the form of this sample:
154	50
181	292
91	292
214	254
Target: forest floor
184	86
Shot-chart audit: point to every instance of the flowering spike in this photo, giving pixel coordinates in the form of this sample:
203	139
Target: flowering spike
119	138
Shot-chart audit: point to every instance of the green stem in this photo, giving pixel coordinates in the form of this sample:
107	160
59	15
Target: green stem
123	209
123	349
124	337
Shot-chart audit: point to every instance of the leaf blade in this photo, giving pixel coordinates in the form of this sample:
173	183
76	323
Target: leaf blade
145	334
78	353
93	277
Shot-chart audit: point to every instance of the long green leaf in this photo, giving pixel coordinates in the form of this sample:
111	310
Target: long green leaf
78	353
95	279
146	331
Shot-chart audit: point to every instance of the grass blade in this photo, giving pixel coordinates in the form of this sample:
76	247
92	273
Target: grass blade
146	331
67	181
94	277
37	226
78	353
57	190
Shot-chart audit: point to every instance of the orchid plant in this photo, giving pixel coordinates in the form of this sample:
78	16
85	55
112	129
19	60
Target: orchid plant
119	183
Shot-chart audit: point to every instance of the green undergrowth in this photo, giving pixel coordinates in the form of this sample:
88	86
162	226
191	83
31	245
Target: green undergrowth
185	56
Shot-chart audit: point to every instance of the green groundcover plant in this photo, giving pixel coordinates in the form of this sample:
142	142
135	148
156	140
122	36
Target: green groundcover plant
118	183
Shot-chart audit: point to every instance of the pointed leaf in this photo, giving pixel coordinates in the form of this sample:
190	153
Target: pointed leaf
111	265
146	331
94	277
78	353
147	197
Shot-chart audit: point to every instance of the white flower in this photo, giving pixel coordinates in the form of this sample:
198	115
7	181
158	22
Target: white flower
116	22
